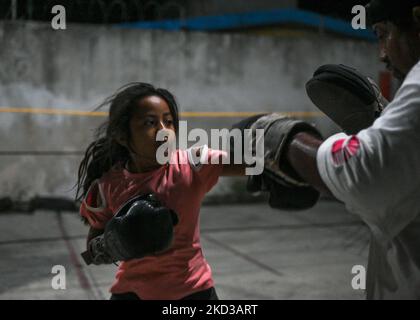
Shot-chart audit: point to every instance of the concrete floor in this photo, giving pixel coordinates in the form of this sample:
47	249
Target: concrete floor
255	253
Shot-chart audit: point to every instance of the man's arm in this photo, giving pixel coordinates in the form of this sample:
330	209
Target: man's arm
301	155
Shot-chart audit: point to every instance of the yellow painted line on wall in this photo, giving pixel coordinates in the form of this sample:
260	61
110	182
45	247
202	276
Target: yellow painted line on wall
54	112
233	114
238	114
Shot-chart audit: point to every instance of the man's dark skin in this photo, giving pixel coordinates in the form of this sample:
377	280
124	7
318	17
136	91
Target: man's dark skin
400	51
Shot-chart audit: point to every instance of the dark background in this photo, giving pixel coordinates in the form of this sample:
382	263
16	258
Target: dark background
116	11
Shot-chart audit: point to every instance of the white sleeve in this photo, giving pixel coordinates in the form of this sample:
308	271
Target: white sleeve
377	173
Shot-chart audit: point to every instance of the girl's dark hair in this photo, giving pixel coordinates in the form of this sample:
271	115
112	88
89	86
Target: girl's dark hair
105	151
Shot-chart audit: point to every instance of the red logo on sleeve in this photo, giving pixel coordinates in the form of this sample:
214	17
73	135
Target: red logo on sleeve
343	149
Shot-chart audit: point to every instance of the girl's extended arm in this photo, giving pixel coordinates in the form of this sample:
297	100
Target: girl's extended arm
232	170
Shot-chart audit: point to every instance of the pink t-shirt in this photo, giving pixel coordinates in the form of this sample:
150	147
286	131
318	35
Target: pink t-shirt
181	186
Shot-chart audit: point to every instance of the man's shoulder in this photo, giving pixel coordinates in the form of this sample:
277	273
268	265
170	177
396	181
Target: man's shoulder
413	76
416	68
407	98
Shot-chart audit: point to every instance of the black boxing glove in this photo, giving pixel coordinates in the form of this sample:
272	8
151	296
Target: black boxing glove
287	190
141	227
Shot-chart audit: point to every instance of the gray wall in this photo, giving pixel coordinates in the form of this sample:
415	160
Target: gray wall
79	67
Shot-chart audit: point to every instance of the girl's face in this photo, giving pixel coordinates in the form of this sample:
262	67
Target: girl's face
151	116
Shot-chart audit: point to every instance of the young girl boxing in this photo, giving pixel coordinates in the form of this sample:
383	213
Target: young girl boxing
121	164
